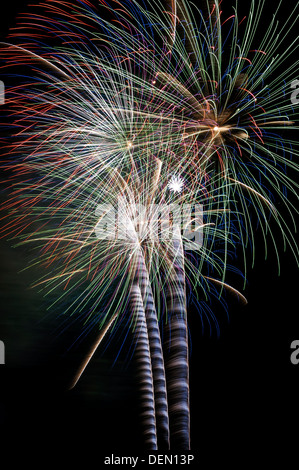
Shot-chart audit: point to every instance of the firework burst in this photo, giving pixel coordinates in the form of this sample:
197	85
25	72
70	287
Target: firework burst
172	105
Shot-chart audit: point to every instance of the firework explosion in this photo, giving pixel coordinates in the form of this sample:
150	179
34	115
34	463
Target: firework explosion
173	106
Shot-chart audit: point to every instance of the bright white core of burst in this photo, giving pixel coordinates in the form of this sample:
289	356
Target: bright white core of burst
176	184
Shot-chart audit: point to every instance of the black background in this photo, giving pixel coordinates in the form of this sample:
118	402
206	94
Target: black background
244	389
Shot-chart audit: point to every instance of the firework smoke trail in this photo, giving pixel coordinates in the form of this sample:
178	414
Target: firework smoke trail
116	95
143	355
177	354
156	354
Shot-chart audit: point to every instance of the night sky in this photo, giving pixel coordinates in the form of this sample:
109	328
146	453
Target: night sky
244	389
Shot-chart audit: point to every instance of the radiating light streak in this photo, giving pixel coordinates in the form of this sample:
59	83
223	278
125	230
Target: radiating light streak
90	354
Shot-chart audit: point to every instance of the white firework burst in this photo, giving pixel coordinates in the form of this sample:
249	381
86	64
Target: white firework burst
176	184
